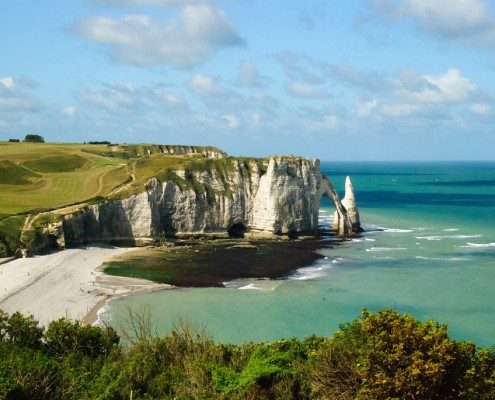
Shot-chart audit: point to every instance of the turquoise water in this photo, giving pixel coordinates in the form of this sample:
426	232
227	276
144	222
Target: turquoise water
428	249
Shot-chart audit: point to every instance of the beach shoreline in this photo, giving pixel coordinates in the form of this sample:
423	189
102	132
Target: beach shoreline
69	283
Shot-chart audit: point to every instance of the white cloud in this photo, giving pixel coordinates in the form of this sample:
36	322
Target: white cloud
450	87
213	93
183	42
364	109
263	101
7	81
15	96
398	109
249	76
301	67
469	22
350	74
173	100
69	111
329	122
299	89
232	121
114	98
206	85
481	109
126	98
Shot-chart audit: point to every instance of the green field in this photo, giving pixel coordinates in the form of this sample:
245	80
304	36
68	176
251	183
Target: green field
44	176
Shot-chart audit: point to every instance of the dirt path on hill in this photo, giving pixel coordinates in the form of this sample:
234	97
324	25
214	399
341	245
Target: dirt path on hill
131	173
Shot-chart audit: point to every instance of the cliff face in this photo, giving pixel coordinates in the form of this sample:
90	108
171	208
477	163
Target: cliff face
282	200
288	198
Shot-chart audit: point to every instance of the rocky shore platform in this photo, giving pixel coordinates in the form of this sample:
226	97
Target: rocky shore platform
210	263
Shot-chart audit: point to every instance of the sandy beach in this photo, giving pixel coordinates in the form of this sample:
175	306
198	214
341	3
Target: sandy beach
69	284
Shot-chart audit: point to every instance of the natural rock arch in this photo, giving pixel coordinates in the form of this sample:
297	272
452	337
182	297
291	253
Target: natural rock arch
346	220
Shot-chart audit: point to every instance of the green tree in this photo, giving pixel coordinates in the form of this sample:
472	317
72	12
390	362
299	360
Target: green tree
34	138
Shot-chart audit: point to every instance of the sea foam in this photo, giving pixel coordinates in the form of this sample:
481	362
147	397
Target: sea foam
386	248
306	273
442	258
441	237
479	245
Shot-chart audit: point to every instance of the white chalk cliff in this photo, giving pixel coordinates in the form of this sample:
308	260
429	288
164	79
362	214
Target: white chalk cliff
282	198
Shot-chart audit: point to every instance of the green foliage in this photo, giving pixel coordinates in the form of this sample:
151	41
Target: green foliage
20	330
377	356
479	381
407	359
34	138
34	240
10	233
387	356
9	243
334	366
29	374
64	337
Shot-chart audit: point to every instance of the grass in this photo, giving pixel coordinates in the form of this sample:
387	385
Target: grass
13	174
60	163
48	176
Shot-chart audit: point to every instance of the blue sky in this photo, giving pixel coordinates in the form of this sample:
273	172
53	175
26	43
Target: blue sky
337	80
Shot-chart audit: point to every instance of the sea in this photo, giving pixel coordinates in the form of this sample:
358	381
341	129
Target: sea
428	249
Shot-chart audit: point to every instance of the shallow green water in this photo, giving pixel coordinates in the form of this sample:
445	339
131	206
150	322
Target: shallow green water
428	249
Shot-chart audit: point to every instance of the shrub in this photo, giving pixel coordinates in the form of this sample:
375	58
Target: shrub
334	367
4	251
479	381
387	356
34	240
28	374
64	337
20	330
409	360
377	356
273	370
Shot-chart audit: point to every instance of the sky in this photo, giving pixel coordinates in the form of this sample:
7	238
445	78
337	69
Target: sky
337	80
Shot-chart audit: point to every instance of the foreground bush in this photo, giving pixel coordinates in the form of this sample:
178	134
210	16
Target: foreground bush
377	356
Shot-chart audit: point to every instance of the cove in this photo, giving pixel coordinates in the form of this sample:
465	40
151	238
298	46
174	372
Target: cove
428	249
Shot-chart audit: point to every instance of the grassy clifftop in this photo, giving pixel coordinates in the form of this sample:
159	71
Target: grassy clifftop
59	178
